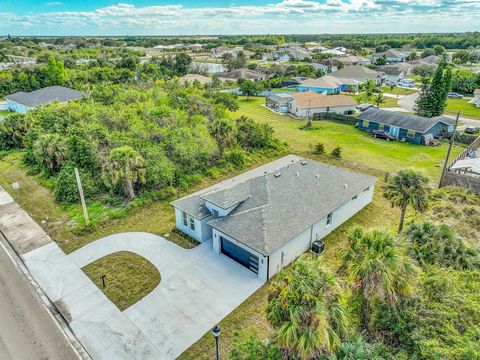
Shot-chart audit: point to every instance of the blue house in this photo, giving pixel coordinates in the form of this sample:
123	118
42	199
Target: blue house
328	84
405	126
22	102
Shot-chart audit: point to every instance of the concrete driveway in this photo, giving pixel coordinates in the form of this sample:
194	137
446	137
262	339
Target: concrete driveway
198	288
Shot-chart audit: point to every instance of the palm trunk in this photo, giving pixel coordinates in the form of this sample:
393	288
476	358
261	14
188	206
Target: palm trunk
129	191
402	219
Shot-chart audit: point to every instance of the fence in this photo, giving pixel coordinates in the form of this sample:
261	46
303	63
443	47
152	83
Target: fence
474	145
335	117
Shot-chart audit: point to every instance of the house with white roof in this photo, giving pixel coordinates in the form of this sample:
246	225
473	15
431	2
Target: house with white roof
265	218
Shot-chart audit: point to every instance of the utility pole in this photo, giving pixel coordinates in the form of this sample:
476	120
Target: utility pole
82	197
450	144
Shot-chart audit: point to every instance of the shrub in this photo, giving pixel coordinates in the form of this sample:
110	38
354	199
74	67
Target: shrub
236	156
249	347
337	153
319	149
66	190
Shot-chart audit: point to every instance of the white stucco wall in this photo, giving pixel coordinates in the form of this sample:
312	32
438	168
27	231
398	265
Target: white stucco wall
202	231
301	243
262	260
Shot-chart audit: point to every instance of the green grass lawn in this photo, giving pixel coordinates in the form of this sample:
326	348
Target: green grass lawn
462	105
357	146
397	90
128	277
4	112
388	103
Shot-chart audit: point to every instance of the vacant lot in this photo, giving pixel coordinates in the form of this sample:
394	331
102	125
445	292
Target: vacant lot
357	146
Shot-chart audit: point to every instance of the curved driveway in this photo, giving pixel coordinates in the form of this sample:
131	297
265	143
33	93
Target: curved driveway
198	288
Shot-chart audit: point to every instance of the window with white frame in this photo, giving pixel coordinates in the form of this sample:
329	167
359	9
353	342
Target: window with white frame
184	217
192	224
329	219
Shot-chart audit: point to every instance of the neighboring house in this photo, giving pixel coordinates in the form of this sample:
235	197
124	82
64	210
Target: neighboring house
328	84
267	56
429	60
22	102
476	97
265	218
338	51
281	56
330	64
278	101
191	78
354	60
390	55
295	81
324	68
219	51
241	74
394	72
412	128
298	55
310	104
360	74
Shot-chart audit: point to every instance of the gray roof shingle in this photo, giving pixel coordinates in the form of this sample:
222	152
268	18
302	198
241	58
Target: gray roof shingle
402	120
273	209
45	95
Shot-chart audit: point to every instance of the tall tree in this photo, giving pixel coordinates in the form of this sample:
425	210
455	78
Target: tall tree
405	188
305	306
433	92
126	166
378	269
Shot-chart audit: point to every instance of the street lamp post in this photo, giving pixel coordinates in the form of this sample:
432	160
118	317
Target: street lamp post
216	333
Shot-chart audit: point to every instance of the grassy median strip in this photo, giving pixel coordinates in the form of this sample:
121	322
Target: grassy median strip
128	277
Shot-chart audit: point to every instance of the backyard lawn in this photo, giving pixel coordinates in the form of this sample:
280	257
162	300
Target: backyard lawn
357	146
462	105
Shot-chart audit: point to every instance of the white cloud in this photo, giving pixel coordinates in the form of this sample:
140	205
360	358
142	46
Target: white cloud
286	16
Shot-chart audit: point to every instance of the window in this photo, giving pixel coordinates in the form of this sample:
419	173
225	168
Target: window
192	224
329	219
381	126
355	197
184	216
328	108
365	123
411	133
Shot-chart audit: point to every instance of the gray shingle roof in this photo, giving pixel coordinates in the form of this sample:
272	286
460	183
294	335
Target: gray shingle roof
45	95
274	209
402	120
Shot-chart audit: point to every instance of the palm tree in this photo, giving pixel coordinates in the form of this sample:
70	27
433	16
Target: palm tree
379	269
125	165
305	306
223	131
378	99
368	87
407	187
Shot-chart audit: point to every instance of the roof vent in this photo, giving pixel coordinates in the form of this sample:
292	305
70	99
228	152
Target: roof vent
345	186
297	173
277	175
317	176
304	162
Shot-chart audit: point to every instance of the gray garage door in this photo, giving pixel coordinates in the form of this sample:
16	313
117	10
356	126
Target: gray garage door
240	255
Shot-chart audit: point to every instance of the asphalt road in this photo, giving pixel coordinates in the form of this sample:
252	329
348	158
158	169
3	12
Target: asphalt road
27	331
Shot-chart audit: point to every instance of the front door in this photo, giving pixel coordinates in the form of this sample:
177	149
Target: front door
240	255
395	131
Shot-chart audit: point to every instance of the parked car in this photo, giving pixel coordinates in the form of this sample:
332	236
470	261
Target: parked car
454	95
408	83
363	107
382	134
472	130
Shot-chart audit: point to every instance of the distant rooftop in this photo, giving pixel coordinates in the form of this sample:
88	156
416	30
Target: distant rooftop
45	96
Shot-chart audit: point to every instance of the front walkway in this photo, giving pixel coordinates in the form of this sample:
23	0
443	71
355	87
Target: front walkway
198	288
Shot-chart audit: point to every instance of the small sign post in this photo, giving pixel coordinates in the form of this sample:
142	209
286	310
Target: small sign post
82	198
103	280
16	187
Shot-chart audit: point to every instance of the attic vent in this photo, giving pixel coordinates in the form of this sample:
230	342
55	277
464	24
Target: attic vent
277	175
304	162
345	186
297	173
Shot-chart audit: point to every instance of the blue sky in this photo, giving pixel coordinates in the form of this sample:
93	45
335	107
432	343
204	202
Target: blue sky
172	17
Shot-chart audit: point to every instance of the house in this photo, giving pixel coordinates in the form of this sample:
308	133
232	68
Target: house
429	60
339	51
281	56
295	81
354	60
241	74
22	102
412	128
390	55
476	97
219	51
278	102
328	84
311	104
360	74
191	78
328	66
394	72
265	218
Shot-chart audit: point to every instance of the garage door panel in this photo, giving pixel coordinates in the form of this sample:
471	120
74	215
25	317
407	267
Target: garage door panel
240	255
